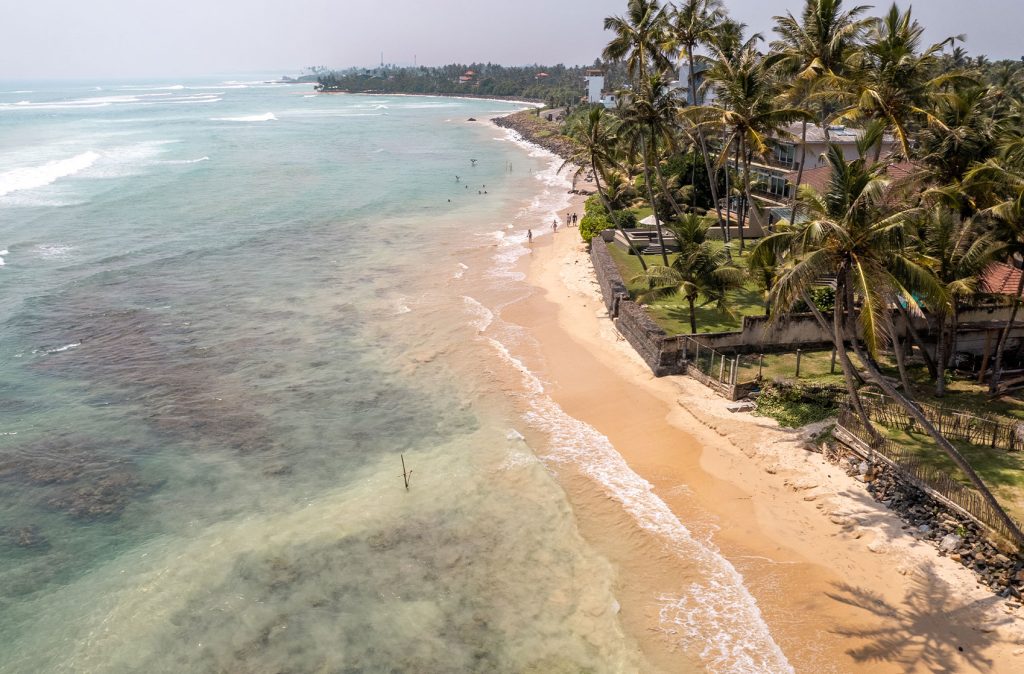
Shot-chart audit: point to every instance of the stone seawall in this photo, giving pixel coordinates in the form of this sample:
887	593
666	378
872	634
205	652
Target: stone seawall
631	320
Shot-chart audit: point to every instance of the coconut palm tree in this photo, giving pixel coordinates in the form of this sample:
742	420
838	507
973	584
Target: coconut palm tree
647	123
816	51
596	137
851	233
957	250
693	24
748	109
639	36
896	76
701	270
1003	179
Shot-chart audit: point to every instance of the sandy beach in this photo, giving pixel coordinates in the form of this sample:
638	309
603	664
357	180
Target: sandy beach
842	585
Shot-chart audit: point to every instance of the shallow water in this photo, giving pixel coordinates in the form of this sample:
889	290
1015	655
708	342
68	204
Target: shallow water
228	309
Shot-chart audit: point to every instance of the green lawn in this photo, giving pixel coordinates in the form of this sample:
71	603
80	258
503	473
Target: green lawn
673	313
815	368
1002	471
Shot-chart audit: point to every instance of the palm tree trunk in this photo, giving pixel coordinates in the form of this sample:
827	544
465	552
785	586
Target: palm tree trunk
916	338
661	178
941	358
901	365
800	171
693	316
745	204
908	405
704	147
845	364
650	196
1004	337
608	209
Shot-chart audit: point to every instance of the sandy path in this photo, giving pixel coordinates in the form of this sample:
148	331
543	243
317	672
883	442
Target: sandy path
841	584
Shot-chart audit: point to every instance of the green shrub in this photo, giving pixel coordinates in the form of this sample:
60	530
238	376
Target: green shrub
824	297
593	205
624	219
791	407
593	224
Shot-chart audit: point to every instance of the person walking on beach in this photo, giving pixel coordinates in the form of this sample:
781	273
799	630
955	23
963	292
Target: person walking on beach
573	219
529	235
554	225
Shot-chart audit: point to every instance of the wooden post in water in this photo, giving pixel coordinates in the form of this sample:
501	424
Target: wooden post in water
406	474
799	353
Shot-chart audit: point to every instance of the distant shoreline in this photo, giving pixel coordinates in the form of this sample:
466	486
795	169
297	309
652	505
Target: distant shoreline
533	103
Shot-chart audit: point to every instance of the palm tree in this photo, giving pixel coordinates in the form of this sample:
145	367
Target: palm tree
639	36
596	138
702	269
692	25
896	76
748	111
958	251
816	50
851	233
1005	182
646	122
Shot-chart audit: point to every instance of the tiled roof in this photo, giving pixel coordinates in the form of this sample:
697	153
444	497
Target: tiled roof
818	177
1001	279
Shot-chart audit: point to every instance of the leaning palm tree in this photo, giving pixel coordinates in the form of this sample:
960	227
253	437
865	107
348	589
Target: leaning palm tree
701	270
596	140
851	233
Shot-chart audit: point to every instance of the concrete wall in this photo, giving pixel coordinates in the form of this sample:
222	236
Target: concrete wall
761	335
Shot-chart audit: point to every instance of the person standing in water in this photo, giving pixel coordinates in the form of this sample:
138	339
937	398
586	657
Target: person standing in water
554	225
529	235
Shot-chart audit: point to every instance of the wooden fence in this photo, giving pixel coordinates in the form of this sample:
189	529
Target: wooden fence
929	478
951	423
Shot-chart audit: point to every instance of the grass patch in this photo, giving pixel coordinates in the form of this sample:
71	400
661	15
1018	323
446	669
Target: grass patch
1002	471
673	313
791	407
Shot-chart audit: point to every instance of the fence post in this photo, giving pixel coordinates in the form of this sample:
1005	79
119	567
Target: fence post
732	374
833	369
686	342
696	354
721	369
760	366
799	353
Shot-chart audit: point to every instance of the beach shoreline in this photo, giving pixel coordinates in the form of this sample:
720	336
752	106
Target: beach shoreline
840	582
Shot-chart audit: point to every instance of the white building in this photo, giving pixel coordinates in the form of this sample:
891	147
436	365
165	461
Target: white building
595	86
705	95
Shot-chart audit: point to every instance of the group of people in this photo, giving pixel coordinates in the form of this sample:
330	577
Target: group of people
571	220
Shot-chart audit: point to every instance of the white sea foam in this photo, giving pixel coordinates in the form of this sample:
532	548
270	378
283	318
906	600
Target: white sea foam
53	251
461	271
32	177
186	161
107	101
66	347
267	117
482	316
716	615
2	253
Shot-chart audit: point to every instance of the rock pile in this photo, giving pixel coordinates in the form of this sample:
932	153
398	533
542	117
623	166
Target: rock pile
538	131
955	536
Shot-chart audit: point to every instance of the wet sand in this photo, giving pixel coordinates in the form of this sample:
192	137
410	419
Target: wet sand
842	586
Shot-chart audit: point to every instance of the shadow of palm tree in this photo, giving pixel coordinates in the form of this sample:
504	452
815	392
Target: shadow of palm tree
930	629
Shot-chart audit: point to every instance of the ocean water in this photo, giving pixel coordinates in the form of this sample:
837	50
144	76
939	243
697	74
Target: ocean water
229	309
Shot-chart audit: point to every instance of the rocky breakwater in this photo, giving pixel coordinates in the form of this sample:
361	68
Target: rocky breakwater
953	534
539	131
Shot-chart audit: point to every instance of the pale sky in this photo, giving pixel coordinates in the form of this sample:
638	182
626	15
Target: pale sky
82	39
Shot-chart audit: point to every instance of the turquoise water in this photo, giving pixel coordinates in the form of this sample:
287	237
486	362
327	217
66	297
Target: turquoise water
227	309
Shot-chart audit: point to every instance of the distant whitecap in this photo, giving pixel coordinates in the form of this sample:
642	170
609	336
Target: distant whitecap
268	117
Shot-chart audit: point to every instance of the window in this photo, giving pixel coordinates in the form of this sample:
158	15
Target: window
785	154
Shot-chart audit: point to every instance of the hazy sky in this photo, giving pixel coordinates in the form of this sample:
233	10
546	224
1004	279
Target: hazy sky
65	39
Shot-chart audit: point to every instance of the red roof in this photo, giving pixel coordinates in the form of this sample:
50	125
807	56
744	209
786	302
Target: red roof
819	176
1001	279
